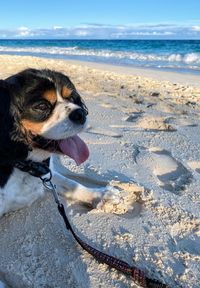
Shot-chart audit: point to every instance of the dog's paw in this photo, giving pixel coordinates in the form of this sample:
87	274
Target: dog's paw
119	198
110	198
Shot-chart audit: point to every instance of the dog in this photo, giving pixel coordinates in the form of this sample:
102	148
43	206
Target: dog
41	114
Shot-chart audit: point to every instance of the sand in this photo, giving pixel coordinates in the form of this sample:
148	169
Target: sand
144	141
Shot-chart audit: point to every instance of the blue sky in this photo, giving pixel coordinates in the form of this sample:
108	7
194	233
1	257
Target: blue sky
117	19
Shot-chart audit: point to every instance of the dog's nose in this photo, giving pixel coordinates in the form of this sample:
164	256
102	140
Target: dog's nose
78	116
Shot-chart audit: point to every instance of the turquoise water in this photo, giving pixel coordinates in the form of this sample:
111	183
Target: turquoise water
177	55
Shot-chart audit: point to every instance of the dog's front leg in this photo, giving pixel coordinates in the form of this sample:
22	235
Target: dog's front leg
76	191
72	189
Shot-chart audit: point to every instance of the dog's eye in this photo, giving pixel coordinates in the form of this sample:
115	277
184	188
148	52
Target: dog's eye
41	106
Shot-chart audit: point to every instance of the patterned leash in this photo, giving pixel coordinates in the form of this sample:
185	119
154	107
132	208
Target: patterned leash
42	171
137	275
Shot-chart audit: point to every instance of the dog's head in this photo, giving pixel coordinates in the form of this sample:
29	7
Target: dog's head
40	113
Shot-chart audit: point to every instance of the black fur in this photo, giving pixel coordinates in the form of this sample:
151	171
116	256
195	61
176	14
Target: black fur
12	146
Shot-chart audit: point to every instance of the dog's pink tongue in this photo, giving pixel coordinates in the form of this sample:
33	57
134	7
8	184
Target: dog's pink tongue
75	148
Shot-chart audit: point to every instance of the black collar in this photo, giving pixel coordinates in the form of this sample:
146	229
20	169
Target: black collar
36	169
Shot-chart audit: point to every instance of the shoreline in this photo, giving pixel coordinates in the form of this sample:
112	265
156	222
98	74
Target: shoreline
184	78
95	79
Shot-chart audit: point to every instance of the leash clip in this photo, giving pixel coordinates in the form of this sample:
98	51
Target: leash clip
50	186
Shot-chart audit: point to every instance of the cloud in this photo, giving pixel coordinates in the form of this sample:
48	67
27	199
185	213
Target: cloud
57	27
196	28
82	33
23	28
153	33
24	32
107	31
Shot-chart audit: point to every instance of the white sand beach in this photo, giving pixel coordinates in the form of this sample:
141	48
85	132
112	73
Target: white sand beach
144	140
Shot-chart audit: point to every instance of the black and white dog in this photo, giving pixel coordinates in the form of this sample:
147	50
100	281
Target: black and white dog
41	113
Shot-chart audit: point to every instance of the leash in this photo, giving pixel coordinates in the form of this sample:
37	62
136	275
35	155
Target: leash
41	170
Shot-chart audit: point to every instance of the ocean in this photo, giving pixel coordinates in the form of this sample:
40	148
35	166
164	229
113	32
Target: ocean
172	55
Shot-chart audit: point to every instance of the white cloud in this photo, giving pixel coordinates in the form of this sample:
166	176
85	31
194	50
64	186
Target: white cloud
153	33
23	28
168	33
23	32
105	31
196	28
82	33
57	27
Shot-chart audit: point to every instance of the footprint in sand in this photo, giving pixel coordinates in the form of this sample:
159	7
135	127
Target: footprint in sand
180	121
134	116
103	132
170	173
150	122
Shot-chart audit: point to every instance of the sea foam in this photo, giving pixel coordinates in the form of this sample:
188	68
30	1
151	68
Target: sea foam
185	60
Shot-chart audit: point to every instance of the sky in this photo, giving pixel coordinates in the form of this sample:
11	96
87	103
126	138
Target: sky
100	19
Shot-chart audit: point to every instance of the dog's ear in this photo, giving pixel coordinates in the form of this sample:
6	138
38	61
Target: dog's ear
11	148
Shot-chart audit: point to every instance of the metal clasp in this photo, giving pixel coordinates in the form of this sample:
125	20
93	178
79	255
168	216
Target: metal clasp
50	186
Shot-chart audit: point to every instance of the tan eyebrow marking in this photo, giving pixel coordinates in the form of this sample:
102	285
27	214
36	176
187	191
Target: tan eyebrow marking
66	92
50	95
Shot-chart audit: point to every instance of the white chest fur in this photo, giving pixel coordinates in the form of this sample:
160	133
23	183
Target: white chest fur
21	190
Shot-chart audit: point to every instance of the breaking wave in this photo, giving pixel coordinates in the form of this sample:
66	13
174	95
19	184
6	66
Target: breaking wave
190	60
